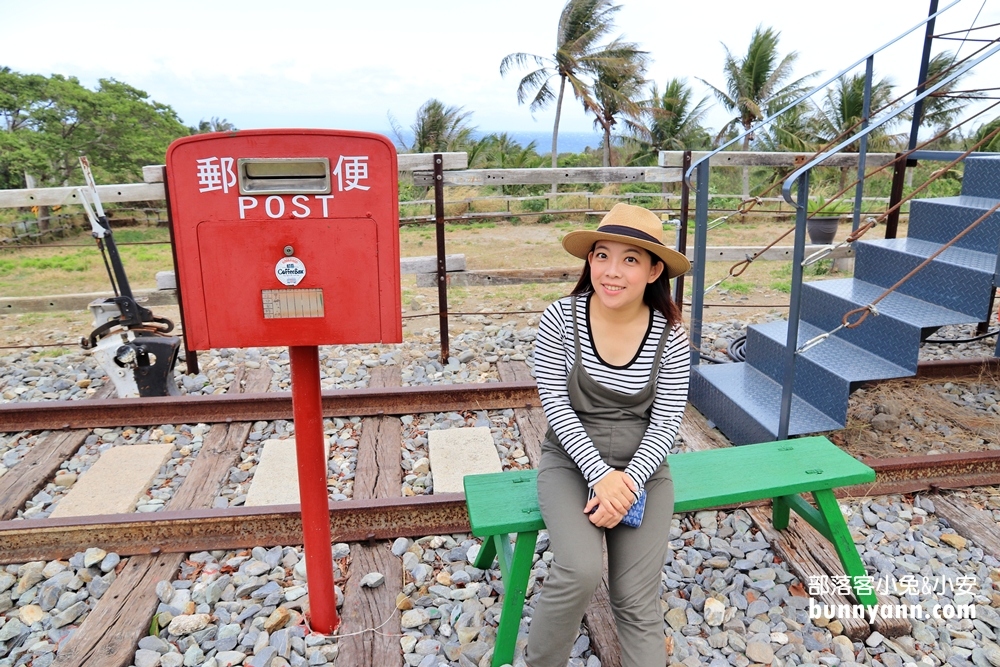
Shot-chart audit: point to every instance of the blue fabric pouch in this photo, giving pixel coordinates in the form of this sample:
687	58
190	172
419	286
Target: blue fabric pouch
634	515
632	518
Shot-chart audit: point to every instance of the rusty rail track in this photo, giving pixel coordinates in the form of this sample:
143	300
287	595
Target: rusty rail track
156	543
355	520
365	520
235	528
227	408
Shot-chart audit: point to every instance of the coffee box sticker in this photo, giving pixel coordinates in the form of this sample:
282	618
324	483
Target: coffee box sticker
290	271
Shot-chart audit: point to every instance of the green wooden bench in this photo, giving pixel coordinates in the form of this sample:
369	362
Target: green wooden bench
506	503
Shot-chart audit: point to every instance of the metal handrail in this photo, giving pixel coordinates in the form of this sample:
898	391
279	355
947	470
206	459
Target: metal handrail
786	188
800	177
766	121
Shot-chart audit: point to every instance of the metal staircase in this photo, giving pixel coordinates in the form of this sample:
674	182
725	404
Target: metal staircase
789	385
744	399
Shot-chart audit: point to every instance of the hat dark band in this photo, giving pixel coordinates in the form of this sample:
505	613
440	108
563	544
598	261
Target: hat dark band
630	231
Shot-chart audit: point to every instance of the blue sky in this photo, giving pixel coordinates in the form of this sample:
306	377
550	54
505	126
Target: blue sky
346	65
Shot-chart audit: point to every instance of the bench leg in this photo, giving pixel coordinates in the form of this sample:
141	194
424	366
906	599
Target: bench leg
779	513
810	514
515	586
487	552
840	535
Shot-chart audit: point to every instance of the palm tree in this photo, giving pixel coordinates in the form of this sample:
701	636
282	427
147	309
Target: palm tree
216	124
501	151
940	109
670	122
437	128
794	130
582	24
993	145
842	107
620	78
841	111
753	80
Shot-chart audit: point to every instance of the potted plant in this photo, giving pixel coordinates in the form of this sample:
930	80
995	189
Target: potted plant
824	217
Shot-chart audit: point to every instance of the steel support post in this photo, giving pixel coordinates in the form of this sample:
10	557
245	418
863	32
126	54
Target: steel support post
792	341
682	229
700	246
925	57
307	411
442	269
866	109
895	195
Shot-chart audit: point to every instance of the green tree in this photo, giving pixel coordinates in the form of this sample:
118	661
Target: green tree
620	77
582	25
670	121
438	128
752	80
50	121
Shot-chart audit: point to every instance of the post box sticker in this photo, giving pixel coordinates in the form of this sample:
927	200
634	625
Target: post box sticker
290	271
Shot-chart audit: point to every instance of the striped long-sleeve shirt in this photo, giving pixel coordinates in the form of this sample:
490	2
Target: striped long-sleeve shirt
554	358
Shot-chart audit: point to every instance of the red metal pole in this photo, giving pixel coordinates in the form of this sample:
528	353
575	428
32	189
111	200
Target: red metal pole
307	411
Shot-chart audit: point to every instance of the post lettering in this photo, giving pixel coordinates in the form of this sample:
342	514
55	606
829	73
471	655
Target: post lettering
299	201
281	206
246	203
325	199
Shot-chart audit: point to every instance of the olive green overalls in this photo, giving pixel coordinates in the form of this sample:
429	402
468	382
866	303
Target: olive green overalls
616	423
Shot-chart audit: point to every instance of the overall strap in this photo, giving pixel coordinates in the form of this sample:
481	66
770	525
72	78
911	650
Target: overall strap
576	332
659	352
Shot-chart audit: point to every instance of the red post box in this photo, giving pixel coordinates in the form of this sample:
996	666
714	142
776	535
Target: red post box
286	237
290	237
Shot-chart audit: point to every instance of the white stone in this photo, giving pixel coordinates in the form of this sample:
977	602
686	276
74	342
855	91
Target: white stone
186	624
457	452
114	484
414	618
276	479
372	580
715	612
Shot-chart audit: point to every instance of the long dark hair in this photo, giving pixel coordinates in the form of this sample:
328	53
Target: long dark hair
656	295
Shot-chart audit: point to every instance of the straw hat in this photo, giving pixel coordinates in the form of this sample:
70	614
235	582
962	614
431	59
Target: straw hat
633	225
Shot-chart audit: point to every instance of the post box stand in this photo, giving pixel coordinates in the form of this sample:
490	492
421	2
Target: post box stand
307	412
290	238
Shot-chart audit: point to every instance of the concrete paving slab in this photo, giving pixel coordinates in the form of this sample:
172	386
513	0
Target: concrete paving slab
457	452
114	484
276	479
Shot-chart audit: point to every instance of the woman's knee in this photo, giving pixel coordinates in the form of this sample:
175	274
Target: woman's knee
634	601
578	572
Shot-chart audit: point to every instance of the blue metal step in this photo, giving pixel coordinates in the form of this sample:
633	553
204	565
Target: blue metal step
959	279
744	399
942	219
894	334
825	374
745	404
981	177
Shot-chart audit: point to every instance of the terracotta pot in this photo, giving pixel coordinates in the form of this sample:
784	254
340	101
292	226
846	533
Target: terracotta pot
822	230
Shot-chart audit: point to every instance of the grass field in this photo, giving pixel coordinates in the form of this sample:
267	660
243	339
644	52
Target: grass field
502	244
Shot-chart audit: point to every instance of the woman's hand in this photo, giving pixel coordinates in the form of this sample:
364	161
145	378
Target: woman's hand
613	496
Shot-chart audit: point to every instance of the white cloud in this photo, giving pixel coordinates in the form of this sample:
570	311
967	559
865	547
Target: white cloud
326	64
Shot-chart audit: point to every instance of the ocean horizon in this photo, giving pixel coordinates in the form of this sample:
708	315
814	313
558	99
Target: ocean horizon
569	142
